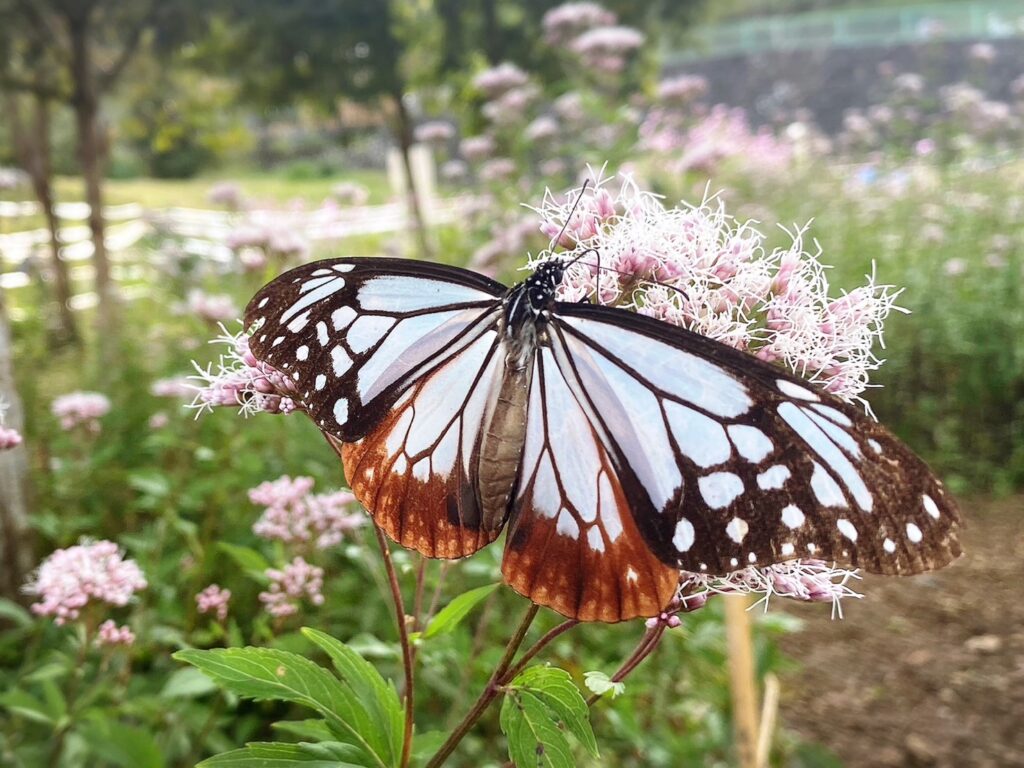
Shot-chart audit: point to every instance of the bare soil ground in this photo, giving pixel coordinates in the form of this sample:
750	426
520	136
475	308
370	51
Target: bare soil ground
924	671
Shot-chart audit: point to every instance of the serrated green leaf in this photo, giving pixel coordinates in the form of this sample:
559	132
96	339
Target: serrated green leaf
555	688
377	696
274	755
266	673
449	617
14	613
188	683
534	738
27	706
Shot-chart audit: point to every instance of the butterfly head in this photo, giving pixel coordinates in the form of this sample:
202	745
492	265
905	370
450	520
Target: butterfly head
540	287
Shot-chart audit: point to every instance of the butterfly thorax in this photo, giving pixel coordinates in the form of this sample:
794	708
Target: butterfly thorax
527	301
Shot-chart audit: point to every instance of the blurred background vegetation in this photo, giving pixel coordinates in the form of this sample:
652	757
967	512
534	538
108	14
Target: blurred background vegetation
161	159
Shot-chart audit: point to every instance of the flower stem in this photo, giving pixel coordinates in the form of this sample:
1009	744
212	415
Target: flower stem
403	637
537	647
489	693
643	649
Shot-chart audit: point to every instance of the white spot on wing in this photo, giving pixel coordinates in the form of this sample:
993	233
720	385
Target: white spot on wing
737	530
320	383
846	528
792	516
889	546
684	535
827	490
720	488
595	539
302	352
398	293
773	478
341	410
317	294
700	438
367	331
751	443
567	526
340	360
321	333
930	506
787	549
913	533
342	317
790	389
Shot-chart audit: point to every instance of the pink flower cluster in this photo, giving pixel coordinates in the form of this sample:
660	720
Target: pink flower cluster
178	387
9	438
111	634
434	132
242	381
704	144
70	579
227	194
295	515
253	242
290	585
81	409
564	22
350	193
805	580
214	600
682	89
475	148
500	79
697	267
605	49
213	308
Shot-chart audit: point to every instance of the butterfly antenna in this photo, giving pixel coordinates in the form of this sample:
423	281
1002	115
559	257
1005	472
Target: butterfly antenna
583	191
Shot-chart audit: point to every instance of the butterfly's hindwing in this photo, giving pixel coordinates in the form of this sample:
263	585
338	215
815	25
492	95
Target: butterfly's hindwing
746	464
573	543
353	334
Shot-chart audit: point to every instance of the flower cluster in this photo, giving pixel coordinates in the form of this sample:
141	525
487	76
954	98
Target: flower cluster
500	79
697	267
350	193
242	381
214	600
295	515
177	387
254	242
81	409
212	307
70	579
111	634
227	194
434	132
290	585
9	437
682	89
564	22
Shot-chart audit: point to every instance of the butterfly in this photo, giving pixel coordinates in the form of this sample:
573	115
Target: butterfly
616	449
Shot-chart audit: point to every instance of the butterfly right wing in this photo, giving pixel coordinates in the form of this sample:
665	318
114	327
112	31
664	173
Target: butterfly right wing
395	361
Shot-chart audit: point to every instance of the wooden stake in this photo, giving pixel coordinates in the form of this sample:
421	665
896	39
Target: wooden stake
742	679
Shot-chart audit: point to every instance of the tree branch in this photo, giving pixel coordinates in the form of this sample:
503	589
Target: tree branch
106	79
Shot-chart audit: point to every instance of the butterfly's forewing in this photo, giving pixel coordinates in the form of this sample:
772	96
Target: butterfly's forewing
353	334
745	464
393	359
573	543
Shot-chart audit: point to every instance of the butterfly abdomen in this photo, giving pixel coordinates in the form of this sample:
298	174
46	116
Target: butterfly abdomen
501	449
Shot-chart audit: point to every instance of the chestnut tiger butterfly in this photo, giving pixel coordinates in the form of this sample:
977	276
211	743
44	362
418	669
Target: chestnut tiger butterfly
617	449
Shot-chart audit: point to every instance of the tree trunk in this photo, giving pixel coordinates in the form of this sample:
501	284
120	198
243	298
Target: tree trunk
405	141
15	539
33	150
495	48
85	101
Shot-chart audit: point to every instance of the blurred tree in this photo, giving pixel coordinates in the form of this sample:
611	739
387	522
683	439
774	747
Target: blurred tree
15	540
326	51
87	44
30	78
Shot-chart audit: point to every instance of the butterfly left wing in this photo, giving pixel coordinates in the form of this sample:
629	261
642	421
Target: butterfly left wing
736	462
394	360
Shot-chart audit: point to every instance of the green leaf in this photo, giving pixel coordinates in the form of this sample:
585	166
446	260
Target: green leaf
376	695
188	683
556	690
275	755
123	745
14	613
267	673
534	738
305	730
26	705
249	559
449	617
600	683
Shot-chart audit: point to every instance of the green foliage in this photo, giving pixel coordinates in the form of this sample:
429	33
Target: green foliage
540	705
